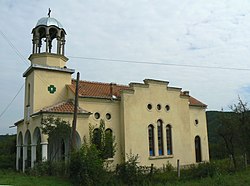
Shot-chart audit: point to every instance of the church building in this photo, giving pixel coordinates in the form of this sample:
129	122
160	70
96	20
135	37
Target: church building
158	122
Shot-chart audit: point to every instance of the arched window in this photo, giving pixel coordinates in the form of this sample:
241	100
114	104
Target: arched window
151	141
197	148
109	152
160	137
169	139
97	138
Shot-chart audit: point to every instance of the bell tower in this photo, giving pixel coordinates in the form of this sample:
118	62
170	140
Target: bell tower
48	28
47	75
48	43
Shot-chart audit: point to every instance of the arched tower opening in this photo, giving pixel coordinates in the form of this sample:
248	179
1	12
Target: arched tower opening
48	36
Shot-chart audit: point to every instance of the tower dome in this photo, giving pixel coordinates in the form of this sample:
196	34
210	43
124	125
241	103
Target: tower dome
46	30
49	21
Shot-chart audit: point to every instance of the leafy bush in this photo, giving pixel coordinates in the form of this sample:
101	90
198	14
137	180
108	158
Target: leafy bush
7	161
49	168
86	167
168	167
103	139
196	171
129	172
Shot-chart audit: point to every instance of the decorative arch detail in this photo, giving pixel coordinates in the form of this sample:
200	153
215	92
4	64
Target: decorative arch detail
160	137
151	140
169	139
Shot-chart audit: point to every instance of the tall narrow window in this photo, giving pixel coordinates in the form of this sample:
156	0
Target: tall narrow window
151	140
160	137
28	103
28	96
169	139
109	152
198	148
97	138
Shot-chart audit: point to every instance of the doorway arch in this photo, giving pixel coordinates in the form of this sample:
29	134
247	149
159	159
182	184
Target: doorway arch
27	150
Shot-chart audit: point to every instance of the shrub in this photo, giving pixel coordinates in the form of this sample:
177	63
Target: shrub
201	170
168	167
129	172
49	168
86	167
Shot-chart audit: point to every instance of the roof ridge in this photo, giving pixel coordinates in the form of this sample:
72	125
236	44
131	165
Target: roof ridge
56	105
103	83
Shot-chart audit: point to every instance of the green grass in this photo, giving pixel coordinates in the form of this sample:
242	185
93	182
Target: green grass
20	179
241	178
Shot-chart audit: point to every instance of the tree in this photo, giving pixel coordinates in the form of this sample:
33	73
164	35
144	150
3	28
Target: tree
243	117
103	139
235	130
87	164
229	133
58	132
7	151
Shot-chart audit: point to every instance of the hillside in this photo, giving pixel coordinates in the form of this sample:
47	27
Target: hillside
217	148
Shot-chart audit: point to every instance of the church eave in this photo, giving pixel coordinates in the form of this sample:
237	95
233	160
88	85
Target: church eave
40	67
19	122
64	113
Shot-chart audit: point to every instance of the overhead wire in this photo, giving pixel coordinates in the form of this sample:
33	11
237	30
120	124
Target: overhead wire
6	108
157	63
27	63
23	58
110	60
14	48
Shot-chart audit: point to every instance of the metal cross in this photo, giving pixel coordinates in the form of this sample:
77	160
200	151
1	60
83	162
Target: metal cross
49	12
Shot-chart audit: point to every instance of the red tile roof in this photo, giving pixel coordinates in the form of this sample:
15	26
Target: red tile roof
103	90
98	90
63	107
195	102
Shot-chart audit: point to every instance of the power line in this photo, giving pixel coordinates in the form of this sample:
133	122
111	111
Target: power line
158	63
14	48
6	108
129	61
24	60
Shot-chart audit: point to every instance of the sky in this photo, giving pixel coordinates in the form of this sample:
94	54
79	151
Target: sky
199	45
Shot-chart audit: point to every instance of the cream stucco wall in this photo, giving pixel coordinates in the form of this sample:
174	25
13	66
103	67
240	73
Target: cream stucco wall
48	59
41	96
104	106
136	118
25	128
200	130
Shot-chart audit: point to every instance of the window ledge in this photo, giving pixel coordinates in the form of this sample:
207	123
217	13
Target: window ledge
160	157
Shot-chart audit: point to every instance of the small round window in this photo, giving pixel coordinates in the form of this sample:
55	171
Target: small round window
196	122
108	116
167	107
149	106
158	107
97	115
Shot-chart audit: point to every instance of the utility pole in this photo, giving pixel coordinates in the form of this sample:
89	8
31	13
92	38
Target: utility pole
73	140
